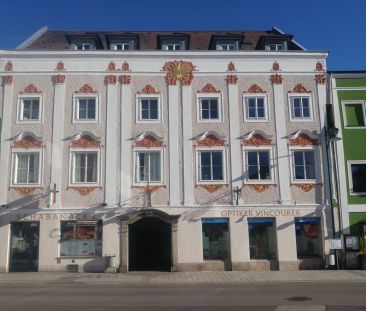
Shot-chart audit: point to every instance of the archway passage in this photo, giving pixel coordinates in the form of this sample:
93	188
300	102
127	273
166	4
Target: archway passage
150	245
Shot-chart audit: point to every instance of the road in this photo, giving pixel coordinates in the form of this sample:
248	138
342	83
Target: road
64	295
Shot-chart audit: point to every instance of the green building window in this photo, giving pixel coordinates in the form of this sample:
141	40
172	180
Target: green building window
354	114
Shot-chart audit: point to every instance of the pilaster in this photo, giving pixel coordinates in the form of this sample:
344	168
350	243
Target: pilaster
5	135
111	143
174	176
57	136
187	145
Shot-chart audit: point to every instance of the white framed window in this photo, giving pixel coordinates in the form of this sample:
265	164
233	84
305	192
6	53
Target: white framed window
209	107
275	47
354	114
85	166
300	109
148	108
173	45
86	108
123	45
357	177
305	163
27	167
227	46
149	166
258	165
255	107
30	108
211	165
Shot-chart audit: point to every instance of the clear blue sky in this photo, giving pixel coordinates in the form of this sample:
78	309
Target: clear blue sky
338	26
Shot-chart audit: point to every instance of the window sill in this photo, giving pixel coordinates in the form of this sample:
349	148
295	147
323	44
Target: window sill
79	257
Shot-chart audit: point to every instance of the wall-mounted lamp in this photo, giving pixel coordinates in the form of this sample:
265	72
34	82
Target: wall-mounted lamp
237	192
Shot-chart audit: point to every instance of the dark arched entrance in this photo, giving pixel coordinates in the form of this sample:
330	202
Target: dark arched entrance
150	245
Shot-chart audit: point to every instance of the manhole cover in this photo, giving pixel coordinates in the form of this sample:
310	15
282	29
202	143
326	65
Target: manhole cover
298	298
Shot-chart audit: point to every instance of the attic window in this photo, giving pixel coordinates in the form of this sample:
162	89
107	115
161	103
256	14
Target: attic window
123	44
227	45
276	46
83	44
173	44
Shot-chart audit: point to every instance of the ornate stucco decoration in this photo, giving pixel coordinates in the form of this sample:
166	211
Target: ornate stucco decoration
27	140
86	88
30	89
212	187
149	188
276	66
256	138
125	79
320	79
319	66
209	88
303	138
149	89
84	190
111	66
231	79
276	79
8	79
306	187
231	67
8	66
299	88
85	139
255	88
58	79
258	187
110	79
148	139
125	66
60	66
210	139
24	191
179	71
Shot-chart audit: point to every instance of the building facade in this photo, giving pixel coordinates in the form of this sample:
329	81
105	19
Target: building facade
348	94
163	151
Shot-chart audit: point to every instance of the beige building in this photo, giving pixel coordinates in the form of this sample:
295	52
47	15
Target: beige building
163	151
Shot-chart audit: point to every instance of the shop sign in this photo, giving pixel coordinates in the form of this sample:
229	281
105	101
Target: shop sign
262	213
58	217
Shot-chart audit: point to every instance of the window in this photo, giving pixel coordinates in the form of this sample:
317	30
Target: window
262	238
357	176
209	107
83	46
354	113
148	109
29	109
211	166
84	167
255	108
304	164
27	167
215	238
86	109
308	242
81	238
149	166
173	44
300	109
123	45
228	46
275	47
258	166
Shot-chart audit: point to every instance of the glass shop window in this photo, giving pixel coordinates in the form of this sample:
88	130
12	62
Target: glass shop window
262	238
81	238
308	237
215	235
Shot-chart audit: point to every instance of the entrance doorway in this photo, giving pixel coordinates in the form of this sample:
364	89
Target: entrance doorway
150	245
24	247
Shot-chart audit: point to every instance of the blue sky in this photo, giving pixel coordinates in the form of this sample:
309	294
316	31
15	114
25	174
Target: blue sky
337	26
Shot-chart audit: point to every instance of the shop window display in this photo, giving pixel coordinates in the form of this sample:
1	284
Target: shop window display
308	237
215	235
262	238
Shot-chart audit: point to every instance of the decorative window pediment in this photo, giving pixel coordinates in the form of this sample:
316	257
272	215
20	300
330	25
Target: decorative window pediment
27	140
255	89
85	139
209	88
303	138
149	89
86	89
30	89
299	88
148	139
210	139
256	138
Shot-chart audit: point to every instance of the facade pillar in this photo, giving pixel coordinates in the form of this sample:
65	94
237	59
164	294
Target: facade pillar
126	153
286	244
174	247
174	171
5	135
57	136
187	145
124	247
111	142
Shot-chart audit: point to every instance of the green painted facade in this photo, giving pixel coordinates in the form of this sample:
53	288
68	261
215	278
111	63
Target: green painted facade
348	82
354	222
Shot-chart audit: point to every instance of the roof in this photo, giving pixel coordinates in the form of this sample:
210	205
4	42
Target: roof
45	39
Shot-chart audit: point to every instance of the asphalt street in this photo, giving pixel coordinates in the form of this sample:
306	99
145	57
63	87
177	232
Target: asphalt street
61	294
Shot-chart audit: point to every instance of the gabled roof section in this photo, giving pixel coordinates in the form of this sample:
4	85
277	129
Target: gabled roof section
45	39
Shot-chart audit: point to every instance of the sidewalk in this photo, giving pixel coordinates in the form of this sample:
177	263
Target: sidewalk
227	277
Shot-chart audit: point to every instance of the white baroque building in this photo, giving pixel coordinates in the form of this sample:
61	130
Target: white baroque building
174	151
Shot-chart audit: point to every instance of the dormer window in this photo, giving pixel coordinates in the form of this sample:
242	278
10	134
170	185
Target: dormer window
83	44
227	45
123	44
275	46
173	44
